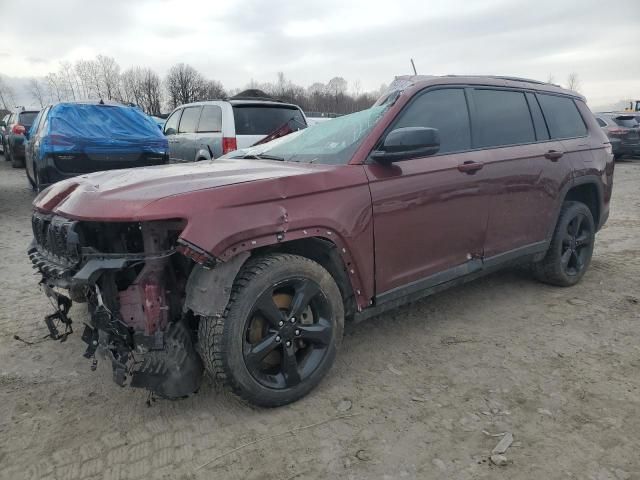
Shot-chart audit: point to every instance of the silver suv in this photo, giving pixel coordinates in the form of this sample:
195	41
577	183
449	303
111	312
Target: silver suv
206	130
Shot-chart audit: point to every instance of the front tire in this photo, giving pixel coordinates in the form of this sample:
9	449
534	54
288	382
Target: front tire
571	248
280	331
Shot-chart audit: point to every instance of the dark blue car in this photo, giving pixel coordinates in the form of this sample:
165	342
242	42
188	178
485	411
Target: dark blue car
73	138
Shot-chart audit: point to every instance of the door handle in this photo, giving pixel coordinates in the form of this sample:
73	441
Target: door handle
553	155
470	167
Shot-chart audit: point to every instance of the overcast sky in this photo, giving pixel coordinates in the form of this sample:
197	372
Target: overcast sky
366	41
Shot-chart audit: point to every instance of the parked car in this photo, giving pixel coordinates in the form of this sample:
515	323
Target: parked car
248	266
159	121
73	138
206	130
623	131
3	133
18	125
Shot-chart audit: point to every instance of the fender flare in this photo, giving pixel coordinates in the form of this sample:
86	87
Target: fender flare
202	153
362	296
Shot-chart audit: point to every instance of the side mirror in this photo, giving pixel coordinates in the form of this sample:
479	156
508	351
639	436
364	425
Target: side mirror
407	143
170	131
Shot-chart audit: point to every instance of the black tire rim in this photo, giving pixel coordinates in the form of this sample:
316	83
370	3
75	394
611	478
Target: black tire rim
576	245
288	333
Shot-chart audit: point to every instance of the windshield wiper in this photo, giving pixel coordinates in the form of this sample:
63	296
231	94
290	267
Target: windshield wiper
263	156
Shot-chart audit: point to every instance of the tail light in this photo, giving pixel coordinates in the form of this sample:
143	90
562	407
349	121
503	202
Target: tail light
19	129
617	131
229	144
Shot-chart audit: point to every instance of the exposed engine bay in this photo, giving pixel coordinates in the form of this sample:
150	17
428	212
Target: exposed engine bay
133	280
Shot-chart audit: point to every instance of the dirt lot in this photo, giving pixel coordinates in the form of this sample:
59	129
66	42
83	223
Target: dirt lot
414	394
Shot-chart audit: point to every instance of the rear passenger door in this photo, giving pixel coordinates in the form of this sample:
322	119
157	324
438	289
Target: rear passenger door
187	136
567	126
524	176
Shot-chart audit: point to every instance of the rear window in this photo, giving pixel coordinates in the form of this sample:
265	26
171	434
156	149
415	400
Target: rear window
27	118
263	120
626	121
211	119
562	115
503	118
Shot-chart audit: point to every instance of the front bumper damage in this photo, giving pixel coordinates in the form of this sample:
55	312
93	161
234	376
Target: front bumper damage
134	299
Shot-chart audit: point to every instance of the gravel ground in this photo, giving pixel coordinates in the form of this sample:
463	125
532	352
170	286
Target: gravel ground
418	393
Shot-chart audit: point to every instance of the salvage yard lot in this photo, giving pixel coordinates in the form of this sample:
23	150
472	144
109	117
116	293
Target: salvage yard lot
417	393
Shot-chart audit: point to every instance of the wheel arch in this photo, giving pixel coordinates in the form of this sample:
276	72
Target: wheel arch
208	289
587	190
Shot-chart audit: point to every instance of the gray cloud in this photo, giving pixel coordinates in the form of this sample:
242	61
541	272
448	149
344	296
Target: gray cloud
370	41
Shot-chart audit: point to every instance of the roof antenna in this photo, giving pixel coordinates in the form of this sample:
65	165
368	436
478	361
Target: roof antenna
413	65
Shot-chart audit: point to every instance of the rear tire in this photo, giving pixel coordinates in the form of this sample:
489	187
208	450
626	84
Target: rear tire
280	331
571	248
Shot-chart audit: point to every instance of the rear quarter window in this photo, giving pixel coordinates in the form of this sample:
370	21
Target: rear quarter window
263	120
562	116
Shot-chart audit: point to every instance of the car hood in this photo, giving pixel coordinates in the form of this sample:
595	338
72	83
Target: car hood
123	194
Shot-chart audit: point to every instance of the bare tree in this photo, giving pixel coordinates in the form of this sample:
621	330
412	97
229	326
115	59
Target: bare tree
109	74
573	82
54	85
184	84
7	97
212	90
68	79
37	91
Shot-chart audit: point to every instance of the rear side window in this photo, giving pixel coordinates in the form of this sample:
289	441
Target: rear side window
601	122
263	120
210	119
562	115
444	109
626	121
27	118
172	122
189	120
502	118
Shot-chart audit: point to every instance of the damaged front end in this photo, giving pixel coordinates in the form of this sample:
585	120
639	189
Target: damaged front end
134	283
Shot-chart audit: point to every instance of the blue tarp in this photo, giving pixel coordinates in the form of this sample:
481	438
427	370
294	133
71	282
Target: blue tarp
94	128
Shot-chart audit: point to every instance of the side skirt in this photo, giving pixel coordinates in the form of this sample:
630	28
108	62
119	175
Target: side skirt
452	277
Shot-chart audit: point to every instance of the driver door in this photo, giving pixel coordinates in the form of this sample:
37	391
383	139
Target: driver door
430	213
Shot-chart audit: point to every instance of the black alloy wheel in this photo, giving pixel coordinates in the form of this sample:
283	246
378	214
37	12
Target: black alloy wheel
288	333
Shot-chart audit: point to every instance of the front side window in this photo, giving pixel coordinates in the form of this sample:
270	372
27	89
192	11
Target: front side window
445	110
189	120
211	119
502	118
562	115
171	127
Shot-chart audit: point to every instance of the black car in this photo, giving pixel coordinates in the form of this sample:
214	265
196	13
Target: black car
623	131
17	127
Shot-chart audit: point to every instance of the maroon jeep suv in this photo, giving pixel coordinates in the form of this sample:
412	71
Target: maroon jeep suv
248	266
